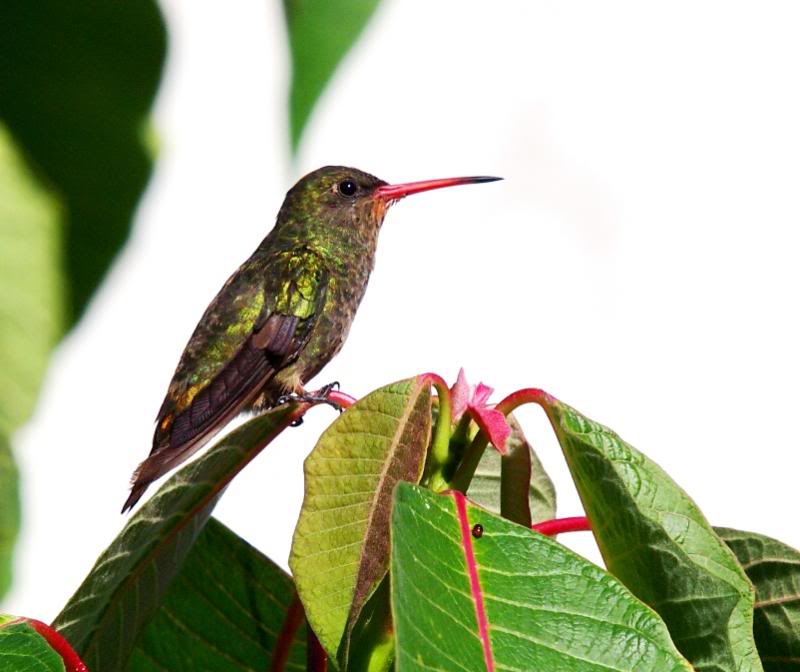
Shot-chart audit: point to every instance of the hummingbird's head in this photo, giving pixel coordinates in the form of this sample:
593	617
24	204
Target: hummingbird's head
346	202
333	194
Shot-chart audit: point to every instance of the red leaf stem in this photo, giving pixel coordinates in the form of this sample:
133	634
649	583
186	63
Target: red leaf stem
528	395
559	525
532	395
437	381
341	398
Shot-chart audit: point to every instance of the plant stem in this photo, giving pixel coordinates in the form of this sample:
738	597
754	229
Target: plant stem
440	446
341	398
528	395
469	463
558	525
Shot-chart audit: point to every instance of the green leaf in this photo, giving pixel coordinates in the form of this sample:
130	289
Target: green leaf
774	569
22	649
525	477
224	611
78	81
340	550
31	302
320	34
544	607
9	512
128	583
30	316
656	541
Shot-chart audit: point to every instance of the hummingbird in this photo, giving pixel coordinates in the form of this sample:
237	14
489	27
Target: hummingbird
282	315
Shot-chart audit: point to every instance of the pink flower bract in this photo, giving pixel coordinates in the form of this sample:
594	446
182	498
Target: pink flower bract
466	399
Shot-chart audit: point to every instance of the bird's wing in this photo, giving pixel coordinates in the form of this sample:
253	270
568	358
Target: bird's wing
256	325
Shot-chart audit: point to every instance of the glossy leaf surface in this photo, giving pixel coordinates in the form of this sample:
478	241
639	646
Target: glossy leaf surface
774	569
128	583
658	543
340	550
508	598
223	611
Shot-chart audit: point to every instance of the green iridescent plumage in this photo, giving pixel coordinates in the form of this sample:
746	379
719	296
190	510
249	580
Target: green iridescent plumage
281	316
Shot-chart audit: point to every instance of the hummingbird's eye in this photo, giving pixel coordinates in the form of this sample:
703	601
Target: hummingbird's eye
347	188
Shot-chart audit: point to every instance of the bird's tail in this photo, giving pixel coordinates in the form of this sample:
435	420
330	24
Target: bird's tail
137	490
159	463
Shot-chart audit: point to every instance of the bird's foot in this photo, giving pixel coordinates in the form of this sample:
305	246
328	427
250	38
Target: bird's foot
319	396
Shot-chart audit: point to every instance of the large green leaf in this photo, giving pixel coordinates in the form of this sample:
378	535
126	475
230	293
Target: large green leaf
774	569
340	550
525	479
30	316
78	80
656	541
508	598
320	34
22	649
128	583
224	611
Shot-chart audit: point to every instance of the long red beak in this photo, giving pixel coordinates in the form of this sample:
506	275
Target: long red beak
392	192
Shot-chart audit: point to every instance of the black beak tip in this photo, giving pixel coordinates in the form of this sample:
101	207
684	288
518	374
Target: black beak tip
486	178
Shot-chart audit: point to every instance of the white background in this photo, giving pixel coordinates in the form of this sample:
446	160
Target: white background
639	260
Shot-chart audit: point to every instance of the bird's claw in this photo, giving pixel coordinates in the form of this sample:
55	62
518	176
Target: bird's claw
319	396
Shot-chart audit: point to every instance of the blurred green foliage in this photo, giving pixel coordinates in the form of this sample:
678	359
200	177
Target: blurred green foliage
320	34
77	81
31	304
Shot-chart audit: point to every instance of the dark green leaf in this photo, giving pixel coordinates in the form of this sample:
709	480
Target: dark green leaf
657	542
78	80
320	34
774	569
22	649
127	585
546	608
224	611
340	550
525	478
